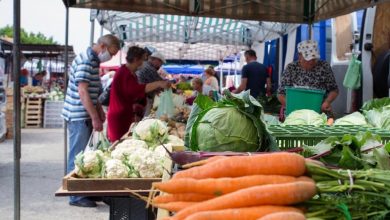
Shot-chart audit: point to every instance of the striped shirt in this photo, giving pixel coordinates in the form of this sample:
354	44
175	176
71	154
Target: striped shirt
85	68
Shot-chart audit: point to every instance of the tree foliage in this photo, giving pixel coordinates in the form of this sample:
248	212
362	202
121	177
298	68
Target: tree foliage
27	38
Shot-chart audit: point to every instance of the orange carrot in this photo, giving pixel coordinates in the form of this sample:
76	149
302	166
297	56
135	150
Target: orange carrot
219	186
275	194
250	213
289	164
284	216
185	197
203	162
174	206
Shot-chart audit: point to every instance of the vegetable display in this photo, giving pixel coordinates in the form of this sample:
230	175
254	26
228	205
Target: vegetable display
377	112
305	117
224	189
355	118
360	151
130	158
231	124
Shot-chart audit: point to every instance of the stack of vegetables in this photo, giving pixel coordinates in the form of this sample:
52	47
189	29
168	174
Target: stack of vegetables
239	187
141	156
56	94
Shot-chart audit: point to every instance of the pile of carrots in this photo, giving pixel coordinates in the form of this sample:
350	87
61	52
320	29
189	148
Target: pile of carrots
265	187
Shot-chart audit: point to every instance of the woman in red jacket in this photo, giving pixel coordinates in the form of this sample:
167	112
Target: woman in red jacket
125	92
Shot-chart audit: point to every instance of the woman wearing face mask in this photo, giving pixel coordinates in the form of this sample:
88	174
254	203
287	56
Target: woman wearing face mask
126	91
310	72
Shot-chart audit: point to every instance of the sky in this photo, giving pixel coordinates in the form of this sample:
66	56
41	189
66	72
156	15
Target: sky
48	17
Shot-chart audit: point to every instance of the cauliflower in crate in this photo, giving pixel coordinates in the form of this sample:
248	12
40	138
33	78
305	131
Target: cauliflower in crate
115	168
147	163
132	143
89	163
152	131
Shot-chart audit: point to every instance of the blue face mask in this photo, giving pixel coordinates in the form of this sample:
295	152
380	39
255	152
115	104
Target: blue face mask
104	56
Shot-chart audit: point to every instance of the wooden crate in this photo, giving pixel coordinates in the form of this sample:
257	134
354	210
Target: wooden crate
72	183
33	114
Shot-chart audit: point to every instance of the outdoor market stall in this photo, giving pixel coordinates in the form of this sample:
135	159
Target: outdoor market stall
301	11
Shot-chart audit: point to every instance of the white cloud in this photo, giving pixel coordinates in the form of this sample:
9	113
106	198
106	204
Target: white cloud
48	17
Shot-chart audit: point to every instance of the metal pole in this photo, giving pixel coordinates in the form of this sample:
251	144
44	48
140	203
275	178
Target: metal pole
16	115
92	31
101	30
310	31
66	86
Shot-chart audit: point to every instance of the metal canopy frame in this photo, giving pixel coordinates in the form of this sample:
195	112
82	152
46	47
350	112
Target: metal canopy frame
206	38
287	11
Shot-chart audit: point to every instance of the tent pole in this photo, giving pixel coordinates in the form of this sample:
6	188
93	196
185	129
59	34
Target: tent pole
66	86
92	30
17	112
221	76
310	31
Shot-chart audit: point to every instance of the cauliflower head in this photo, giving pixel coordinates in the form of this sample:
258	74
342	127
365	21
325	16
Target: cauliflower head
122	153
89	163
152	131
132	143
146	163
115	168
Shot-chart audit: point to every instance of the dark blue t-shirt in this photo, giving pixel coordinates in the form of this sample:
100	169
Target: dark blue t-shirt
257	75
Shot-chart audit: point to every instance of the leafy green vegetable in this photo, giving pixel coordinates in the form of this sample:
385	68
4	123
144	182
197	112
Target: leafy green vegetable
349	194
361	151
355	118
231	124
184	86
376	104
305	117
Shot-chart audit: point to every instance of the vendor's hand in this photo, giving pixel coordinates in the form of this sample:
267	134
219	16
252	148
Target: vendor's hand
326	107
165	84
97	124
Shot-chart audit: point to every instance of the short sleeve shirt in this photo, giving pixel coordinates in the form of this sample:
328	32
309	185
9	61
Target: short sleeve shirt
320	77
256	74
85	68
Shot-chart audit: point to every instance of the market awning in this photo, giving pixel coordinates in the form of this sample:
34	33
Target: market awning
189	37
302	11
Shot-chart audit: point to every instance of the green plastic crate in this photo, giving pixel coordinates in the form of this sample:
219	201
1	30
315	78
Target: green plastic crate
296	136
299	98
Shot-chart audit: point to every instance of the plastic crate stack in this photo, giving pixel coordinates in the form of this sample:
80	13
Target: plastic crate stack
52	116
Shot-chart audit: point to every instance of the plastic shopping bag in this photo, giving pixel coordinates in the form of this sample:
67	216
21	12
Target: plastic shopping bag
352	79
97	141
166	106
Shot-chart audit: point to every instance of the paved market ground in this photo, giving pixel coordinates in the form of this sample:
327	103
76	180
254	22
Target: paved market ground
41	174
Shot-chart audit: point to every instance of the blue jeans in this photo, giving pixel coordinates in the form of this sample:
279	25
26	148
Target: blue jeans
79	133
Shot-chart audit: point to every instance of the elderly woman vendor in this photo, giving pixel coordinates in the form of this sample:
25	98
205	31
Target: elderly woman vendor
309	72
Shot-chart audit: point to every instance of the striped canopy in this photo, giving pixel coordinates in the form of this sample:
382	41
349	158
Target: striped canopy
288	11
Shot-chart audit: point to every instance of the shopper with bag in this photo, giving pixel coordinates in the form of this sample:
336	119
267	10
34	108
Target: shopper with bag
82	111
126	92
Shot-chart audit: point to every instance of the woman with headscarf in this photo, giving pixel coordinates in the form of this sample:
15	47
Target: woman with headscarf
311	72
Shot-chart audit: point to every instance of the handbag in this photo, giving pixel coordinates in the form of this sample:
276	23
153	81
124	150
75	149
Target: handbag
352	79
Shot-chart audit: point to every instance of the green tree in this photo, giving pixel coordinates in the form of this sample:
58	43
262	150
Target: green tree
27	38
